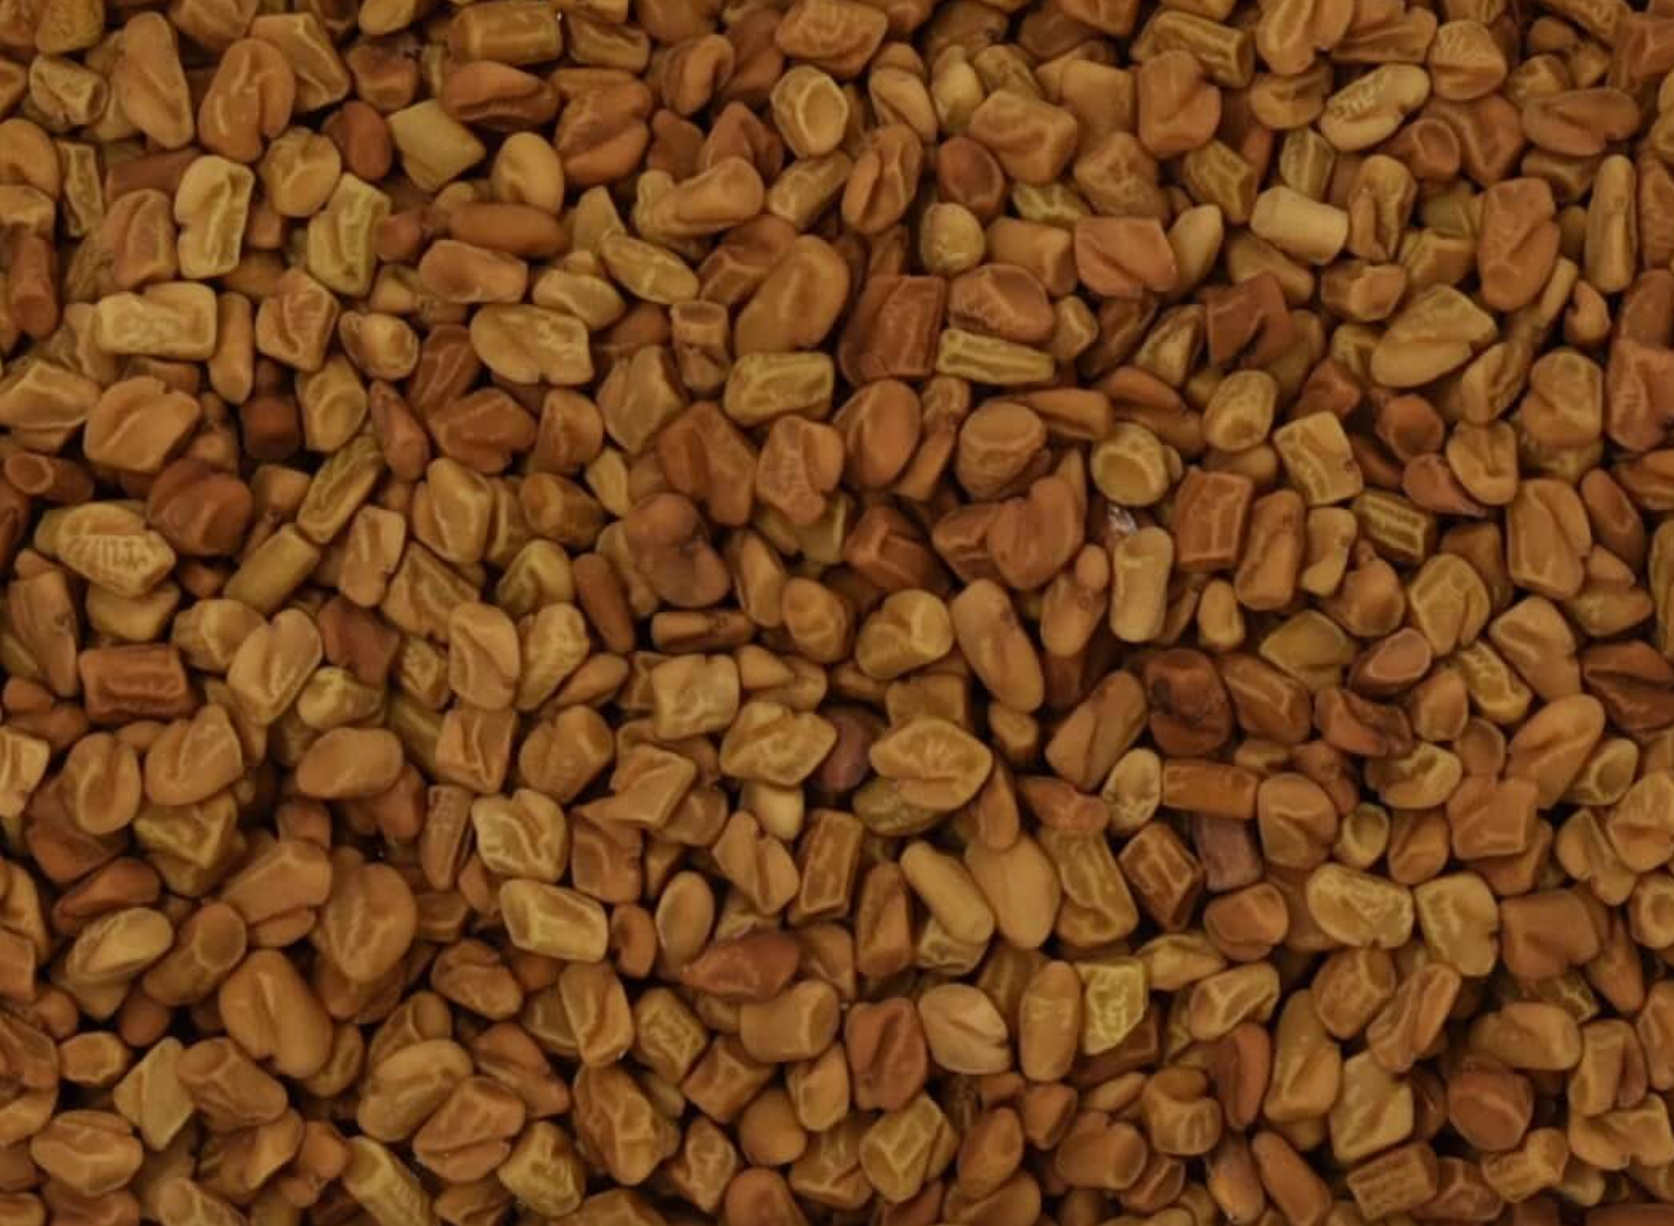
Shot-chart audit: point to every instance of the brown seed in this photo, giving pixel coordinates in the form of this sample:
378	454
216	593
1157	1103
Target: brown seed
1038	610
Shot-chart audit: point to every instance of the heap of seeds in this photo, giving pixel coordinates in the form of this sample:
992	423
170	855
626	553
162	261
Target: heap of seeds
788	612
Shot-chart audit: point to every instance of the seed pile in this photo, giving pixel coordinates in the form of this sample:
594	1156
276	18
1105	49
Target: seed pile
826	611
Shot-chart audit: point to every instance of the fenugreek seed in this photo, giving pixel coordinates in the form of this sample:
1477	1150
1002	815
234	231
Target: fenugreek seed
1036	611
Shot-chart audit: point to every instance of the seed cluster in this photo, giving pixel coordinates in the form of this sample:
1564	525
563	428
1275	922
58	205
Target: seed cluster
784	612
